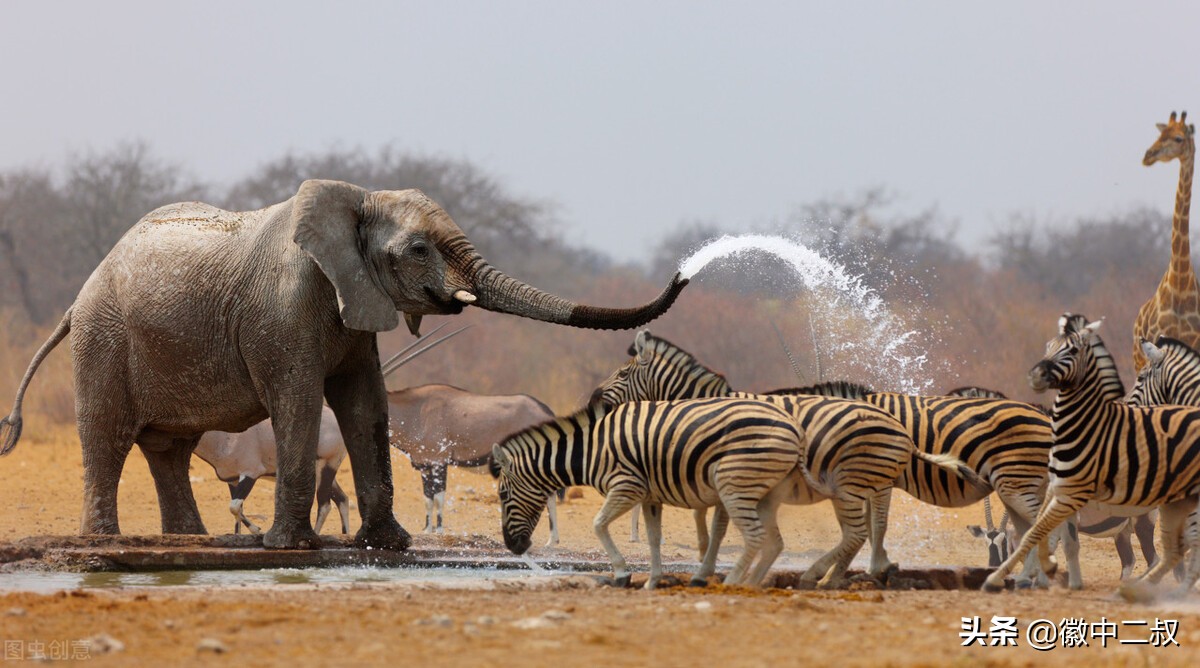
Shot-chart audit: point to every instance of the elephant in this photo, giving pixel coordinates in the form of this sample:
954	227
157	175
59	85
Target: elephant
201	319
439	426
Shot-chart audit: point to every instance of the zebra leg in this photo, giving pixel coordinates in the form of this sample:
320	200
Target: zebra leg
1070	544
1124	544
877	508
619	501
1022	509
701	517
633	526
831	567
768	510
552	518
653	515
720	523
1192	541
745	517
1054	512
1143	528
1172	520
237	497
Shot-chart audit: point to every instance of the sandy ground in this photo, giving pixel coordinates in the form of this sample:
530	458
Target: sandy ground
541	622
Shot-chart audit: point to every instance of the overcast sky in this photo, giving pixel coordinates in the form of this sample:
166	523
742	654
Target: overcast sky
633	116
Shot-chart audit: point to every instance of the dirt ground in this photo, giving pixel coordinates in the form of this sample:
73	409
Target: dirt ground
550	622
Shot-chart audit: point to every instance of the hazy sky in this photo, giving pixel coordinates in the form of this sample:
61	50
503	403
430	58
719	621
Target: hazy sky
633	116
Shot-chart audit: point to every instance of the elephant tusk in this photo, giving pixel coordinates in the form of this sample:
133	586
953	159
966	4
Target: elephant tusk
464	297
414	323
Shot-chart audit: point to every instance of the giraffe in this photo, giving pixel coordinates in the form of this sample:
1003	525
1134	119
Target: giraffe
1174	310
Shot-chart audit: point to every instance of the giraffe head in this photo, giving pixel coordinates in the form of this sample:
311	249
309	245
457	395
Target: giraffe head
1174	141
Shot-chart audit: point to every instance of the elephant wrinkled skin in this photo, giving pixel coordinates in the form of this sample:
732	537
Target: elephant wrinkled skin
201	319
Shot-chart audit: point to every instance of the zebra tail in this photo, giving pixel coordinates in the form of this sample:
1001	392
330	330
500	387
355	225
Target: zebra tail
956	466
812	482
10	427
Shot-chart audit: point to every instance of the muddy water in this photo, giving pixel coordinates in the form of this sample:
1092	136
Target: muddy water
452	578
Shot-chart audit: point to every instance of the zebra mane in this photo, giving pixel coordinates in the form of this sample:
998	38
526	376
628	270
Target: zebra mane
594	410
679	357
1107	366
1182	349
831	388
976	392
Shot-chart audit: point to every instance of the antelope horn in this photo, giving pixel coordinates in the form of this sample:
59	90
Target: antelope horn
416	353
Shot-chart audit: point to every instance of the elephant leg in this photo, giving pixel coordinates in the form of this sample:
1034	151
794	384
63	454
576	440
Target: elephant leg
237	498
296	422
359	401
169	468
103	459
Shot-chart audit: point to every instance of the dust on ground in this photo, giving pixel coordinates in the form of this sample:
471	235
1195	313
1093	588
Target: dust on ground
550	622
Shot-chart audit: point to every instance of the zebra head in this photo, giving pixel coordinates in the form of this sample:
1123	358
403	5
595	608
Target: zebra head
522	499
659	371
1062	365
1170	376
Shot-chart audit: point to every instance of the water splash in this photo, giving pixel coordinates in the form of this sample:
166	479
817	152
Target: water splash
882	346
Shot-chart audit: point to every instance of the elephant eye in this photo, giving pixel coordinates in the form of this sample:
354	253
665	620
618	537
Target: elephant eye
420	250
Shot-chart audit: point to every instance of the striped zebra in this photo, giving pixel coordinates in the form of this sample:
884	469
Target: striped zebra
736	454
1094	520
1006	443
1171	375
1108	451
855	451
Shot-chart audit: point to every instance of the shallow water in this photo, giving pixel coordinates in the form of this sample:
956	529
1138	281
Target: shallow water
48	582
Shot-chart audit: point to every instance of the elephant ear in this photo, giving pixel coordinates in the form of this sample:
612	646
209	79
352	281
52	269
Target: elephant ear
327	216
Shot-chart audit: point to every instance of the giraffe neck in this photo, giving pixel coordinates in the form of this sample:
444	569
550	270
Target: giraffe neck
1180	276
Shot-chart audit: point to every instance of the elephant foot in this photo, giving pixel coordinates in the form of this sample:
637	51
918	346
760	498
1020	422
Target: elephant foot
188	526
385	535
277	538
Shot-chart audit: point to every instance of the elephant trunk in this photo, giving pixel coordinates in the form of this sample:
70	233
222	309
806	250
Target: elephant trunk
496	291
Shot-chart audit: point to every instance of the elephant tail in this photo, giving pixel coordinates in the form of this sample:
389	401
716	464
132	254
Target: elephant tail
10	427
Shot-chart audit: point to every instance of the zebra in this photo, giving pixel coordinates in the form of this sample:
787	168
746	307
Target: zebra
738	454
1171	375
855	451
1094	520
1109	451
1006	443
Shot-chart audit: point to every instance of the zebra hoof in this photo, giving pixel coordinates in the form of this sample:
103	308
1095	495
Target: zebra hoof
991	587
621	582
698	582
1023	584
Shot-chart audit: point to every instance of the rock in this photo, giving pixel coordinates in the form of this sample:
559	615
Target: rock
556	615
486	620
212	645
443	621
703	606
15	612
102	643
532	623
